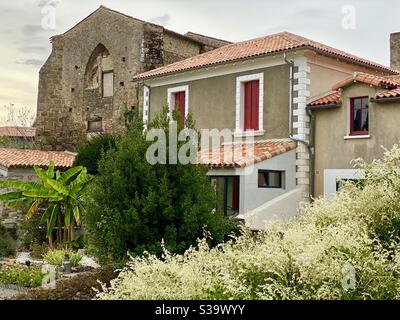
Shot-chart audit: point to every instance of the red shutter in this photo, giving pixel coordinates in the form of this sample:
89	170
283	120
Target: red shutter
247	105
251	104
255	93
180	100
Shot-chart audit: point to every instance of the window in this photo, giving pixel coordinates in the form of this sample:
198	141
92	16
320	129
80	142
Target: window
108	84
359	116
249	104
178	98
95	125
270	179
227	191
357	182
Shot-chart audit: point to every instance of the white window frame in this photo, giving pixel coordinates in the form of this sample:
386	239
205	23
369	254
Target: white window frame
171	98
347	135
331	176
239	124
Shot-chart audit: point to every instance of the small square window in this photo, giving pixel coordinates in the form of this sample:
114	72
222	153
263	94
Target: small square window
95	125
270	179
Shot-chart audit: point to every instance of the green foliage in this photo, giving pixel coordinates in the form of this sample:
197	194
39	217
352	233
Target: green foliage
16	143
61	194
56	257
134	205
22	276
91	152
7	247
32	232
38	250
346	248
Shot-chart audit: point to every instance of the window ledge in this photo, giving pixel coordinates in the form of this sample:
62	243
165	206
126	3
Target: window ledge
239	134
364	136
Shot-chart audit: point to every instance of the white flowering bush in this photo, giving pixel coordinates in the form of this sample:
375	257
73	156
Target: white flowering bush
346	248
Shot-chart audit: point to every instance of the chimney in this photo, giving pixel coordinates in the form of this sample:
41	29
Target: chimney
395	50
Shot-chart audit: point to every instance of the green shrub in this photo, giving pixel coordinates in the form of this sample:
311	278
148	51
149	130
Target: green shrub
39	250
346	248
22	276
56	257
32	232
134	205
7	246
91	152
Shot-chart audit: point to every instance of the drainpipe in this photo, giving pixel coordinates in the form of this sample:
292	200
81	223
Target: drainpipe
310	146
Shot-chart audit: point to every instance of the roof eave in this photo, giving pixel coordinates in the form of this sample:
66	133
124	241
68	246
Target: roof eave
324	106
383	100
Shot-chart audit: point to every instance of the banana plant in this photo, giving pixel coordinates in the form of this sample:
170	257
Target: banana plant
59	194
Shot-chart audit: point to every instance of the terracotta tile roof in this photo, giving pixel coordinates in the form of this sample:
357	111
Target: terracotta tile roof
242	155
25	158
258	47
369	79
23	132
395	93
395	78
331	98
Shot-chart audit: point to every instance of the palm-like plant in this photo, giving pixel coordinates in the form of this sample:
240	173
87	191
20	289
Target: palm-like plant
59	194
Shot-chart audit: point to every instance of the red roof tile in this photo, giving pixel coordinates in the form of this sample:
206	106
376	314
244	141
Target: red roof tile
254	48
330	98
395	93
25	158
369	79
23	132
241	155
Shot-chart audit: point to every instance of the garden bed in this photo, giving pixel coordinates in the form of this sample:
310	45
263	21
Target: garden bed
73	287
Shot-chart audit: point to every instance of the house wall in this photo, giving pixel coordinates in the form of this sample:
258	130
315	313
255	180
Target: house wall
252	196
212	101
334	151
325	72
65	103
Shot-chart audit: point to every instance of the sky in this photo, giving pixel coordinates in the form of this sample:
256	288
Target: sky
361	27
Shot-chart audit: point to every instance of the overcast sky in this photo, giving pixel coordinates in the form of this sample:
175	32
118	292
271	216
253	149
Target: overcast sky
25	43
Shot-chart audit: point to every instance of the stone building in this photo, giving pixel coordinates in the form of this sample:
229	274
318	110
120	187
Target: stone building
86	87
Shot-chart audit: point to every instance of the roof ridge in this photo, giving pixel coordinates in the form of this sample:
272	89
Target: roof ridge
261	46
203	35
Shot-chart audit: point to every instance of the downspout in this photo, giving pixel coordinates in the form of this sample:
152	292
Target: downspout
309	145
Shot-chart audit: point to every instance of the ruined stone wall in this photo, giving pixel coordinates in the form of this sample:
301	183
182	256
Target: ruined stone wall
70	86
177	48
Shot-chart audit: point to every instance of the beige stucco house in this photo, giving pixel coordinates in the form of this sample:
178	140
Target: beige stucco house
261	88
358	119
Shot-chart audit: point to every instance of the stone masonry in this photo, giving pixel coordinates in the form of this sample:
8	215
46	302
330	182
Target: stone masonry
71	100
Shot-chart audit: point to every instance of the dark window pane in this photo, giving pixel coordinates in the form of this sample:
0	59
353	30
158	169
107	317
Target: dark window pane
270	179
95	126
